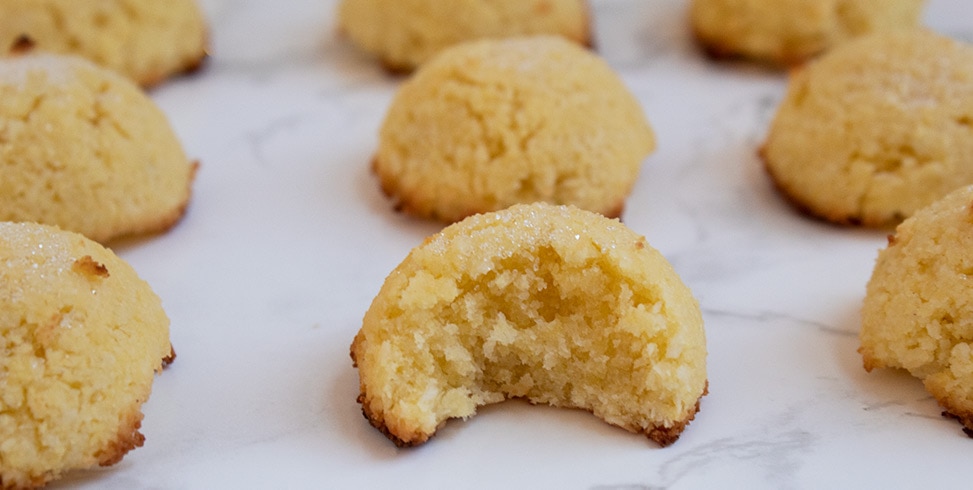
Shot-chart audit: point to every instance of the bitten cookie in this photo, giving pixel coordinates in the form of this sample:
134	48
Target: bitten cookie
145	40
876	129
406	33
550	303
918	310
81	338
787	32
84	149
494	123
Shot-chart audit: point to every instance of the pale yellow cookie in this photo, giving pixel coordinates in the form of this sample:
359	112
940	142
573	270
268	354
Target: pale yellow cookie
792	31
494	123
406	33
146	40
550	303
80	339
876	129
918	311
83	148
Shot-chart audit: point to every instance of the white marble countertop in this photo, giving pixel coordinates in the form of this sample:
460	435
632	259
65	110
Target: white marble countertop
288	239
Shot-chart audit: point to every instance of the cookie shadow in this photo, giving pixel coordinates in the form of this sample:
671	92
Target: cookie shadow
880	389
349	60
352	425
382	207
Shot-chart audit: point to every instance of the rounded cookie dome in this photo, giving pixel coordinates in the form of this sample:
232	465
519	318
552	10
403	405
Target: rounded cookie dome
876	129
144	40
918	310
792	31
82	336
84	149
407	33
500	122
549	303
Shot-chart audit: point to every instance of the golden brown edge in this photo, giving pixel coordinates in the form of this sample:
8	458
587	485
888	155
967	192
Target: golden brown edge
587	40
128	437
402	203
839	219
170	358
191	65
662	435
24	44
666	436
589	34
964	418
376	419
167	221
719	51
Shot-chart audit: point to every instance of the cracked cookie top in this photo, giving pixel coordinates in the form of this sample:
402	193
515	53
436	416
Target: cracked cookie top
147	41
918	310
81	336
789	32
494	123
876	129
407	33
84	149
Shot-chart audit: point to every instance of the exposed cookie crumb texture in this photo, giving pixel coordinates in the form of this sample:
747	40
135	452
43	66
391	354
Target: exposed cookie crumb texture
494	123
81	337
790	32
404	34
876	129
147	41
918	310
85	149
553	304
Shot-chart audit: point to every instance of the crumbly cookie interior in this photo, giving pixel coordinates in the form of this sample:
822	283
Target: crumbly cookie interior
586	318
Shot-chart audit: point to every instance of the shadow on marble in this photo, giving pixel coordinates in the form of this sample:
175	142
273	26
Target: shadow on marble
353	428
883	390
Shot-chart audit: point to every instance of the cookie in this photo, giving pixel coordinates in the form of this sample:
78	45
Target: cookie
494	123
84	149
918	310
81	337
788	32
554	304
876	129
404	34
145	40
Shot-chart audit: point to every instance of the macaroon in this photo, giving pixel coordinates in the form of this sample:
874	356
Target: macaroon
145	40
83	148
553	304
82	338
876	129
918	308
404	34
790	32
493	123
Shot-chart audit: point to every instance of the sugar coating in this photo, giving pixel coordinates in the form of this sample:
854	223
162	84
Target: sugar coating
80	338
792	31
918	310
876	129
550	303
145	40
407	33
87	150
494	123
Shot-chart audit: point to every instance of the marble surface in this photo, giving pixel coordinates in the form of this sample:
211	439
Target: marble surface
288	239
